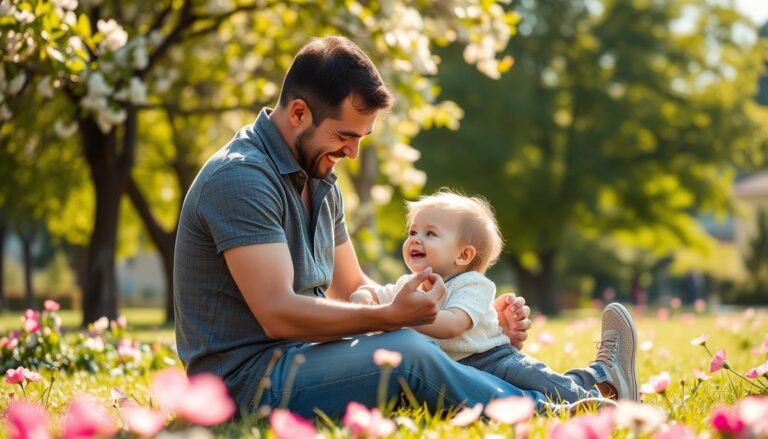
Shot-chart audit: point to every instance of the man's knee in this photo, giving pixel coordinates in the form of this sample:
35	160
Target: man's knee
417	350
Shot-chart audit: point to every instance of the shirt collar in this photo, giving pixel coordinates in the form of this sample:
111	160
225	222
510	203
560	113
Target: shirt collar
279	151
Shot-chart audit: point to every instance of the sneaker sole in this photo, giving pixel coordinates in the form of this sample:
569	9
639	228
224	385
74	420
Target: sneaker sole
624	315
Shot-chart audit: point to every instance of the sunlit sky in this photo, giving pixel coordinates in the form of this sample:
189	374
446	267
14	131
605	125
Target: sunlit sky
757	10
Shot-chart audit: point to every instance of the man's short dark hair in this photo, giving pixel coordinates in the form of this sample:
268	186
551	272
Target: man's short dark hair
328	70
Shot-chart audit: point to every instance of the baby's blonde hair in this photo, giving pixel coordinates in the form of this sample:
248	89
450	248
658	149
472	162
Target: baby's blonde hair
477	223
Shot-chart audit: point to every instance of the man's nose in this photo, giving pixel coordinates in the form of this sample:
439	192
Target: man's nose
352	148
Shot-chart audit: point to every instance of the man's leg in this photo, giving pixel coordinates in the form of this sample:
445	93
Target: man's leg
333	374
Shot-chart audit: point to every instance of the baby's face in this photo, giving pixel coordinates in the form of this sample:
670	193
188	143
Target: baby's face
433	242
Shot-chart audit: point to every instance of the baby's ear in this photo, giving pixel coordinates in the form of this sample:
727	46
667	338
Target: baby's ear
466	255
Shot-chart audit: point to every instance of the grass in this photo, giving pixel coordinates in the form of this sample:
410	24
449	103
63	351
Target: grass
562	343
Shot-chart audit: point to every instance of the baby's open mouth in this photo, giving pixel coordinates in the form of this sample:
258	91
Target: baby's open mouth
417	254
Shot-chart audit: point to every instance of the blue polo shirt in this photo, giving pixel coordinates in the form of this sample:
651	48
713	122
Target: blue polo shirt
249	192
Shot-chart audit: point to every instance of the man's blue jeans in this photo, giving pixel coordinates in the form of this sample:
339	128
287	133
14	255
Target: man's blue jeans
335	373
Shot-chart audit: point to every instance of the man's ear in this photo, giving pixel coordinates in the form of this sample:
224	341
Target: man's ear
466	256
299	113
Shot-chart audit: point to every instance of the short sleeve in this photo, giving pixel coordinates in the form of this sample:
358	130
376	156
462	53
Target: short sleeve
387	292
241	205
473	294
340	234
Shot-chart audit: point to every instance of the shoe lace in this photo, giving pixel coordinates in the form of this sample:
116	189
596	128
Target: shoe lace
606	350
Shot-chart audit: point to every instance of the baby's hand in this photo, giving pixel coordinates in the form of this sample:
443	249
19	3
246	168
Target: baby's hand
362	296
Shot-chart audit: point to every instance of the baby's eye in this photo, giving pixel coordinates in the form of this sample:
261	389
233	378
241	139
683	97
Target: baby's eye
430	233
411	233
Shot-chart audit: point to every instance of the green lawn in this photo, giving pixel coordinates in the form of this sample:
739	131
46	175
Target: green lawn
563	343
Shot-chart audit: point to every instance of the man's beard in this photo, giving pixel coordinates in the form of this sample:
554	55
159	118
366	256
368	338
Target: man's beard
310	163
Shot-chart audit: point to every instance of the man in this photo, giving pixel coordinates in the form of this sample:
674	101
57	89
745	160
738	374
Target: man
264	263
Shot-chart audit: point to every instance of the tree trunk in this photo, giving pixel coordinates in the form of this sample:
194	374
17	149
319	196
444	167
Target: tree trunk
109	176
540	287
27	236
163	240
3	229
363	183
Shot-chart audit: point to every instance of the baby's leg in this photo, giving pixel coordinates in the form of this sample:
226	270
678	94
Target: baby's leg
528	373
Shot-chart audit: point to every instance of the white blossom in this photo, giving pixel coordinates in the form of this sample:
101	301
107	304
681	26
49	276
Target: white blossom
75	43
641	418
24	16
67	5
63	130
16	83
381	194
97	85
108	118
5	113
114	35
6	8
137	91
140	57
155	38
401	151
44	88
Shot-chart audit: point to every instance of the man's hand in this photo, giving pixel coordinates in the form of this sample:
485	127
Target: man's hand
412	307
513	318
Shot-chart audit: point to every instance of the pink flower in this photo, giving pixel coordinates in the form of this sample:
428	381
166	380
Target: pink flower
51	305
753	411
201	399
546	339
758	371
27	421
370	424
687	318
467	416
599	426
118	395
87	418
675	303
122	322
128	350
286	425
141	421
700	375
31	325
700	340
718	361
510	410
32	376
663	314
699	305
383	357
725	420
100	325
14	376
656	384
674	431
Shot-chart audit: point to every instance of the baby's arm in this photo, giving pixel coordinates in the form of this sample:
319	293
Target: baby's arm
365	294
450	322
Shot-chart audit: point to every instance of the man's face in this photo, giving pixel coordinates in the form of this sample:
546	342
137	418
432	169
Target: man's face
318	148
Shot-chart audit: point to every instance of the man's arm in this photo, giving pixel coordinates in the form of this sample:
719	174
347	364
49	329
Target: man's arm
264	275
450	322
347	274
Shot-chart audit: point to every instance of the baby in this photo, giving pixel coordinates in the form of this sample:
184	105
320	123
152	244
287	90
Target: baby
459	238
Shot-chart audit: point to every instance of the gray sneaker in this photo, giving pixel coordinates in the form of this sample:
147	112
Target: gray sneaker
616	353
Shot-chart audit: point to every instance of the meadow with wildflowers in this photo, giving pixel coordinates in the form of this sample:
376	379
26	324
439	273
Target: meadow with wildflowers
702	374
